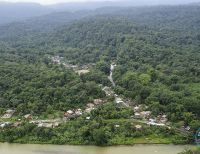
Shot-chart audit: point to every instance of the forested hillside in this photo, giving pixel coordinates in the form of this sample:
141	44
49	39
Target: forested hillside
157	53
156	50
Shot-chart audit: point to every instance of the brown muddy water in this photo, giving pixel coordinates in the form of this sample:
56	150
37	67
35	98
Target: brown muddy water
6	148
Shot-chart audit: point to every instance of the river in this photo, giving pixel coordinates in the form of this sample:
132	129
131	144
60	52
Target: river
6	148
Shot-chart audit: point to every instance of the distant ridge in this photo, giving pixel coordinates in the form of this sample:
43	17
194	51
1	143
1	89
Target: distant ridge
10	12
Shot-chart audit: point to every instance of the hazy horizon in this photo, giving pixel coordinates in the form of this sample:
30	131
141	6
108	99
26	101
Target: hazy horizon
136	2
16	10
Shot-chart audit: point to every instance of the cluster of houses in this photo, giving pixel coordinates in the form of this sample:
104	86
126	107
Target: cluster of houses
139	113
5	124
57	60
74	113
94	105
46	123
29	118
8	114
79	70
70	114
10	124
83	71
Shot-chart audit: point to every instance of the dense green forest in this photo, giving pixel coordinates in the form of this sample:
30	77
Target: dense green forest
34	89
156	49
157	58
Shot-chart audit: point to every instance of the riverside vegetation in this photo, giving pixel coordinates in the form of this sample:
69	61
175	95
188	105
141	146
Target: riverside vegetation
156	50
191	151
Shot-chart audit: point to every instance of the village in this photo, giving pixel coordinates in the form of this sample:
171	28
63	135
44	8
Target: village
140	112
48	123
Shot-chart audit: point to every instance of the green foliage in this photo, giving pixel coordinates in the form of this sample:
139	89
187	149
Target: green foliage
109	111
156	50
191	151
100	130
144	79
38	88
100	137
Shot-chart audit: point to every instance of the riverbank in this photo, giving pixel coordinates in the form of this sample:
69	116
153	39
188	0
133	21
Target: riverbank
108	125
95	132
129	142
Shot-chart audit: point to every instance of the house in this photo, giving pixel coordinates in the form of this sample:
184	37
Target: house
117	126
137	115
68	113
56	124
116	95
119	101
90	105
87	118
82	72
137	108
98	101
5	124
142	115
46	125
155	124
28	117
78	112
2	125
35	122
187	128
152	120
49	125
57	60
145	114
138	127
162	119
8	114
88	110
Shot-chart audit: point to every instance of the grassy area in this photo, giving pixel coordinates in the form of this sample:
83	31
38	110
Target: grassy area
194	88
141	140
13	119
